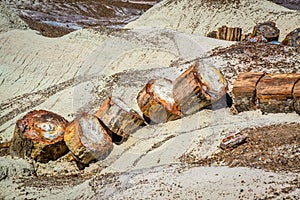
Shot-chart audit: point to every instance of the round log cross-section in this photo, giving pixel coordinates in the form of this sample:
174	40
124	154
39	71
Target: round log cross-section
268	30
156	101
198	87
87	139
119	118
39	135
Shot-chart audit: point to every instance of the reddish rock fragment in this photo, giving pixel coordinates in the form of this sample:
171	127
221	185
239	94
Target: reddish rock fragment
119	118
244	90
233	139
87	139
156	101
39	135
275	93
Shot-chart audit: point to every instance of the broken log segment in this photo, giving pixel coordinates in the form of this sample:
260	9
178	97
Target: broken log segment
227	33
296	97
268	30
233	139
87	139
119	118
244	90
39	135
293	38
274	92
198	87
156	101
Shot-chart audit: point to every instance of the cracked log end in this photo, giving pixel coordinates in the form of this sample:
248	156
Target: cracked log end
275	92
39	135
296	97
268	30
198	87
244	91
156	101
293	38
119	118
87	139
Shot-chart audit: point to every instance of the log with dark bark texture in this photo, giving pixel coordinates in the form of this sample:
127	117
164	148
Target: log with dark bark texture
227	33
268	30
87	139
274	92
293	38
198	87
244	90
39	135
119	118
296	97
156	102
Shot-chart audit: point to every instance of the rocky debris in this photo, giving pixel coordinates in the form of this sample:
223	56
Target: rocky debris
244	90
227	33
157	103
274	92
119	118
296	97
293	38
233	139
268	30
199	86
39	135
87	139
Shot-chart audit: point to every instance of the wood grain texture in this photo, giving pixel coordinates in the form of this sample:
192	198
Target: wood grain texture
39	135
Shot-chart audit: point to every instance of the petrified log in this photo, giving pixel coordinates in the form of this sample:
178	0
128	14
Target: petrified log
39	135
156	101
233	139
268	30
87	139
296	97
244	90
293	38
274	92
119	118
198	87
226	33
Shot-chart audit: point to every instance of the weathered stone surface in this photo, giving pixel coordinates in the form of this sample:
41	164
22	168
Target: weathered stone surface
119	118
87	139
157	103
275	92
39	135
233	139
296	97
244	90
268	30
227	33
293	38
198	87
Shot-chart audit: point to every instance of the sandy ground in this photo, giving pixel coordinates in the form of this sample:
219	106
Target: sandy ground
174	160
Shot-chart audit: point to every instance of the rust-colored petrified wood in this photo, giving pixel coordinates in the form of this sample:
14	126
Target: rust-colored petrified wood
39	135
119	118
233	139
274	92
293	38
244	90
198	87
268	30
296	97
156	101
87	139
227	33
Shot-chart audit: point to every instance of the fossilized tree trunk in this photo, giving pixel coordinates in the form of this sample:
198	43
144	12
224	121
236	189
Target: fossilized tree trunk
119	118
293	38
244	90
275	92
87	139
39	135
198	87
268	30
156	102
